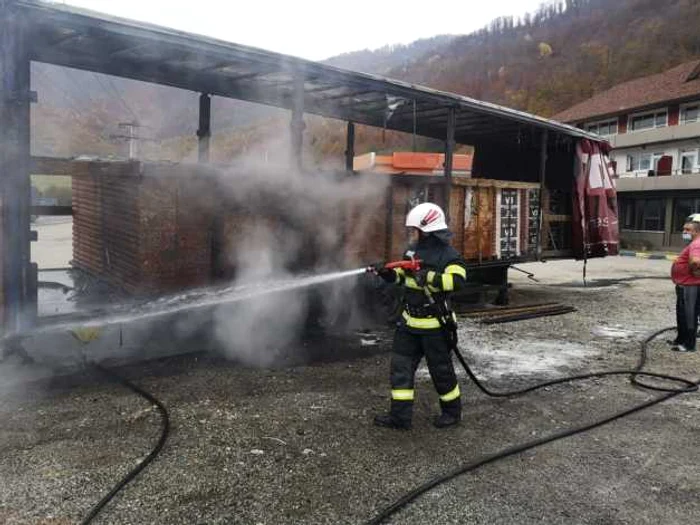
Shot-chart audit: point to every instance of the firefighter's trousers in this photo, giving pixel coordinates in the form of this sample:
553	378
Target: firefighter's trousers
408	350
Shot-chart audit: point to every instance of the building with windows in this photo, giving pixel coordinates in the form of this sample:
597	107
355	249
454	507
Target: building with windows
653	125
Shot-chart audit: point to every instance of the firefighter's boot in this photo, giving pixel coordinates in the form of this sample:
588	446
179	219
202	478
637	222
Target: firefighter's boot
451	414
389	421
398	418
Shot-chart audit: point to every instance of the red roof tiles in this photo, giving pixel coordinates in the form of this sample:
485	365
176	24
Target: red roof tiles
675	84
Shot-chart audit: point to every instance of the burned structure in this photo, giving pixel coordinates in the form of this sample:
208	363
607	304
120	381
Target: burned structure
534	157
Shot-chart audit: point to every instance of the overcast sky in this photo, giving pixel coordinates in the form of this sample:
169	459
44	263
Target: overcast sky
315	29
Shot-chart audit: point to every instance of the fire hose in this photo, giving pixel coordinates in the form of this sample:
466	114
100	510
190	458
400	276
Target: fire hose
129	476
449	329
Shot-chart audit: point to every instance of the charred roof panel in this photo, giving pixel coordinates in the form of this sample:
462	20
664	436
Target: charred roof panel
83	39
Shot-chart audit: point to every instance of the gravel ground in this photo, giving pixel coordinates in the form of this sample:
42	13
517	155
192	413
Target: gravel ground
296	445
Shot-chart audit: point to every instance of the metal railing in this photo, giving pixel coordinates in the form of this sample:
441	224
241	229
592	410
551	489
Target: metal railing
652	173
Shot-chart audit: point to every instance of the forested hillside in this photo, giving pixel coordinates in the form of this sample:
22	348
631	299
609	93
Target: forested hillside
561	55
544	63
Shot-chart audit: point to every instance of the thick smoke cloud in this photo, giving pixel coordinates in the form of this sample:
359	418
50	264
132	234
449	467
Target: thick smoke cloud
291	221
280	223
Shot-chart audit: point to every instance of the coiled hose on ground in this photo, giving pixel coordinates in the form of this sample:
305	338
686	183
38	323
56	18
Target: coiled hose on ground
450	332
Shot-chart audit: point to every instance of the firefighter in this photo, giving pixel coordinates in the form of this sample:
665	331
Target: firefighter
419	332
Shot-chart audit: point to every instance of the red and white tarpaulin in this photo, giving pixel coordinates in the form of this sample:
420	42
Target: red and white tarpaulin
595	217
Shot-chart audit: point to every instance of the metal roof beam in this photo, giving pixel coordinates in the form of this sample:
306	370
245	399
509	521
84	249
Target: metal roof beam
106	32
407	110
48	17
347	95
123	51
369	105
248	76
321	89
214	85
427	114
65	38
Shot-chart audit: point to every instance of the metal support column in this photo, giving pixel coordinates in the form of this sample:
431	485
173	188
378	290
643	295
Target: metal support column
297	124
449	157
203	157
668	223
18	292
543	173
350	147
204	130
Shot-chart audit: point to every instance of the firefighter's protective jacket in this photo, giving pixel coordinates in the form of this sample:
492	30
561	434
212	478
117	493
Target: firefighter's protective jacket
446	273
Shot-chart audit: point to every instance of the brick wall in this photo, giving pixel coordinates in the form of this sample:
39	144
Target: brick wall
145	232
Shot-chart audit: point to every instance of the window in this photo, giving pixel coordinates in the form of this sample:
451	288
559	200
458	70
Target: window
626	216
657	119
604	128
689	161
643	214
643	161
682	207
690	113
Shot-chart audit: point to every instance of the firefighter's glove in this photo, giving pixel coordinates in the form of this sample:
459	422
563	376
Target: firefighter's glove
421	277
387	274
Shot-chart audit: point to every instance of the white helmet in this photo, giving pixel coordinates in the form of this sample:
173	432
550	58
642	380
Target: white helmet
427	217
693	217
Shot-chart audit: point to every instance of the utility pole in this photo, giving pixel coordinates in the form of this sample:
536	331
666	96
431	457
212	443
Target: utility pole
130	136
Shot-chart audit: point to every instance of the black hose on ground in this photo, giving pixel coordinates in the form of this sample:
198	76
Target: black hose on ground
165	431
690	386
450	332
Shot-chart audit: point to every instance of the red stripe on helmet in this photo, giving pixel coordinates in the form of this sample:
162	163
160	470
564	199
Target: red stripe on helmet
431	216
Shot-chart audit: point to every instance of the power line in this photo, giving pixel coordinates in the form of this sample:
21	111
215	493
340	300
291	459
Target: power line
84	92
68	97
114	90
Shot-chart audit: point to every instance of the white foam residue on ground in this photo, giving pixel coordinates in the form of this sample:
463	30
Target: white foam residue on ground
529	357
615	332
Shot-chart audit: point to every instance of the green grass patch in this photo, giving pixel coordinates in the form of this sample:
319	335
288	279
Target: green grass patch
54	186
44	182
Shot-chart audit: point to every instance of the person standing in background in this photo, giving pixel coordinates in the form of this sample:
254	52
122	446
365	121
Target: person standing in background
685	274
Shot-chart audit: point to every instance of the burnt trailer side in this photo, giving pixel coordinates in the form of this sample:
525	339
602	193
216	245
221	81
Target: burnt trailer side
523	162
523	203
578	200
